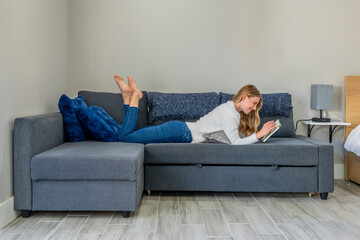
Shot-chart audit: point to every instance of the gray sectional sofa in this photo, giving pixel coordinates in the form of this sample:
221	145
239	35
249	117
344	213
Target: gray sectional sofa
51	174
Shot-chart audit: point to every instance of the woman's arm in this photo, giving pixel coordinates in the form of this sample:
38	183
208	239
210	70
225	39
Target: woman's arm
230	128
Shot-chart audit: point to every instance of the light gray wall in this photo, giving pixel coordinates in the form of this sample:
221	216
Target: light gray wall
214	45
34	54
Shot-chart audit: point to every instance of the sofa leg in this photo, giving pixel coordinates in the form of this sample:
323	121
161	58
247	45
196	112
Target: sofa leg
126	214
324	195
25	213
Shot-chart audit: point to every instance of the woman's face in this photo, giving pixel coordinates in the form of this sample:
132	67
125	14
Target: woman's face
247	104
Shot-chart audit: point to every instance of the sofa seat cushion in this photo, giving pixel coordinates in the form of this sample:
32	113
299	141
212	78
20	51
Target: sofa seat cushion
89	160
276	151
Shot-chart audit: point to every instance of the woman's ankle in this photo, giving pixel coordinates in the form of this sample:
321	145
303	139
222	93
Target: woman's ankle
135	98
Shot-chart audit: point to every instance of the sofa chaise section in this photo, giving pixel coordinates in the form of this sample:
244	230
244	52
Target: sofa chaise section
62	176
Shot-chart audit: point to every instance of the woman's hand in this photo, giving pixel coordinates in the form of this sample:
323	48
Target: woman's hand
267	127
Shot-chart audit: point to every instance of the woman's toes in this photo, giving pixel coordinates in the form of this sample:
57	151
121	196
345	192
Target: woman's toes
133	84
117	78
124	88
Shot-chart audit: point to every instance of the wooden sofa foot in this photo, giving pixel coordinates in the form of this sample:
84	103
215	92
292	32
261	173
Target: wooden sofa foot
324	195
126	214
25	213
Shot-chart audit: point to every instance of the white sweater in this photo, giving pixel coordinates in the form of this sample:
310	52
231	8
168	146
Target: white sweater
223	117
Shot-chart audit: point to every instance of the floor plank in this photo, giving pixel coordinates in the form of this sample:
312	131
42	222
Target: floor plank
294	231
11	236
272	237
168	227
277	213
215	223
141	236
68	228
261	222
244	232
42	230
193	232
22	225
144	220
88	236
97	222
169	208
190	212
233	213
116	232
313	227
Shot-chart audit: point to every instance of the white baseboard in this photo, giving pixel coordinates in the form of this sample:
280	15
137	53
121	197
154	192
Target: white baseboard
7	212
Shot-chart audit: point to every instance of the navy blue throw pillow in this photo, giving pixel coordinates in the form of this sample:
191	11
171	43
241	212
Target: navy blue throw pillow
274	104
73	129
98	123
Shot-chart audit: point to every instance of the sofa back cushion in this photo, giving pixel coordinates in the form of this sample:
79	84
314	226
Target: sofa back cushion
112	103
275	106
180	106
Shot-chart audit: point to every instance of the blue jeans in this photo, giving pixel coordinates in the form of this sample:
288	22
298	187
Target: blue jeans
169	132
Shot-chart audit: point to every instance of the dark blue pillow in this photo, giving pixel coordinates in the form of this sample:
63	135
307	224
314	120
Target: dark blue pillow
181	106
73	130
98	123
274	104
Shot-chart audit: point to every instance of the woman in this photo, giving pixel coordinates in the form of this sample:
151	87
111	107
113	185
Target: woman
239	115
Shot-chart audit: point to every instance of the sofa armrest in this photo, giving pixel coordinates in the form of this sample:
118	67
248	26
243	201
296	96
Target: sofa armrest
325	166
32	135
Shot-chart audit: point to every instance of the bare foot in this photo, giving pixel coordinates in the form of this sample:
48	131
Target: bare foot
135	98
134	86
124	88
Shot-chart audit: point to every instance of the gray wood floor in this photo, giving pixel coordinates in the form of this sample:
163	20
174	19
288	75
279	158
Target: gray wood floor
222	216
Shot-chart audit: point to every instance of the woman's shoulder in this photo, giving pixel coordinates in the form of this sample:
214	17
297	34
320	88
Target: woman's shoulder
230	106
227	104
227	109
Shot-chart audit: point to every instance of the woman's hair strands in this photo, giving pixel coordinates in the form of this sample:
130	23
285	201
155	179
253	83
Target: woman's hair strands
249	122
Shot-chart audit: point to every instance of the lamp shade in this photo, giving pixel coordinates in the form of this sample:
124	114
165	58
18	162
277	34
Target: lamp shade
321	97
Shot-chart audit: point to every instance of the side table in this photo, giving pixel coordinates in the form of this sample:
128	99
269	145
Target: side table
332	126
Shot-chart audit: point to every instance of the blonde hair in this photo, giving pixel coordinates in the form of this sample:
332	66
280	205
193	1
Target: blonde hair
249	122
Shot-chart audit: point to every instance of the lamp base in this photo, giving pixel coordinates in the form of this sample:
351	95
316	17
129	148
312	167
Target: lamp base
320	119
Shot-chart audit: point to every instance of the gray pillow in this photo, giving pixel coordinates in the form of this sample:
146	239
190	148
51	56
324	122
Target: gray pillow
216	137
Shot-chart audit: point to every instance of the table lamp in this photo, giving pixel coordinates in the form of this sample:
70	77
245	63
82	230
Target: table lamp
321	99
